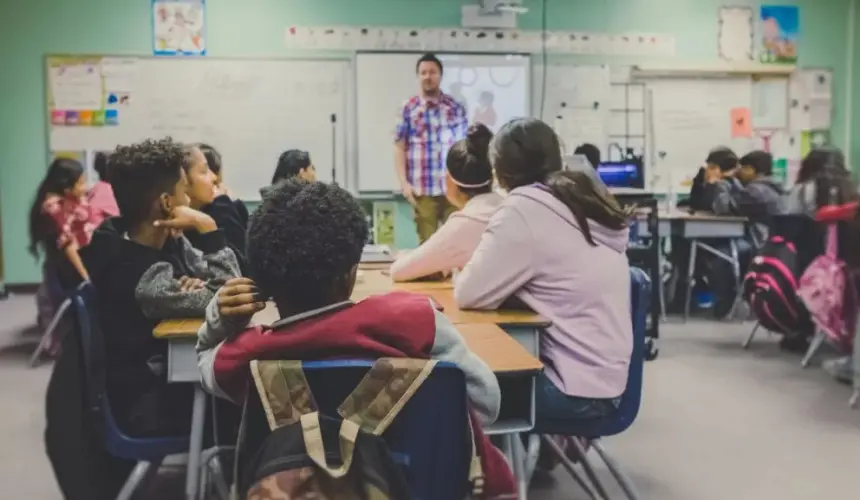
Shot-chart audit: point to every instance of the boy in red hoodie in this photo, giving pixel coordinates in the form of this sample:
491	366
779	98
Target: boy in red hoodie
304	246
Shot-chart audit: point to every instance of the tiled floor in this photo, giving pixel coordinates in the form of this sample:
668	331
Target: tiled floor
717	423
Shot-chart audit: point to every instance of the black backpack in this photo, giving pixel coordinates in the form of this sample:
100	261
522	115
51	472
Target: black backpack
343	458
770	288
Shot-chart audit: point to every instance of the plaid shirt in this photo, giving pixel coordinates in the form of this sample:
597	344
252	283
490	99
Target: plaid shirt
429	129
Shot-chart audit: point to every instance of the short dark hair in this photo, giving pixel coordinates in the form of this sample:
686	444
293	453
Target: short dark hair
723	157
213	157
429	57
100	165
141	172
760	161
590	152
290	163
303	240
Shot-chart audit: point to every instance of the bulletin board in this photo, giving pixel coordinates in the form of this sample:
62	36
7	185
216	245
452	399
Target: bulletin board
251	110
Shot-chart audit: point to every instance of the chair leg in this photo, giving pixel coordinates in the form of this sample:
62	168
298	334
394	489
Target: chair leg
691	272
615	470
568	465
45	341
589	470
135	479
532	454
752	334
518	464
813	348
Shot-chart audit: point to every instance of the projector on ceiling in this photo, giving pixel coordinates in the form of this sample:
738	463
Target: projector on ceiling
499	6
495	14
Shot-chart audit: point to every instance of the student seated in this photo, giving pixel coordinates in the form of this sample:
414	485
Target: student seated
558	245
469	187
590	152
292	163
102	202
143	274
60	225
304	246
810	190
749	191
204	193
721	162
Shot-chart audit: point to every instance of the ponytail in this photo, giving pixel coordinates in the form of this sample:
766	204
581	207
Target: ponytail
587	201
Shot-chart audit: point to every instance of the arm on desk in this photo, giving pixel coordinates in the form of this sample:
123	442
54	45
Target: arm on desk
481	383
501	264
212	333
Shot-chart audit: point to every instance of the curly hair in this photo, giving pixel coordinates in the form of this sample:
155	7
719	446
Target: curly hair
303	241
141	172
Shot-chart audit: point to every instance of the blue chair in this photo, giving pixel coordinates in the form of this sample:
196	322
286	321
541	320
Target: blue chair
147	452
618	422
430	436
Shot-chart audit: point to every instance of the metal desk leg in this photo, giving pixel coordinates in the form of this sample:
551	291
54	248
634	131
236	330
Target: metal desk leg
736	271
518	464
195	449
661	290
691	271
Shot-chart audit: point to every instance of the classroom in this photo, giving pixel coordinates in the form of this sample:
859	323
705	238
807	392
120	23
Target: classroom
403	186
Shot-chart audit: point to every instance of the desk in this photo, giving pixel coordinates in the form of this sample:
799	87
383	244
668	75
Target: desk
698	226
511	353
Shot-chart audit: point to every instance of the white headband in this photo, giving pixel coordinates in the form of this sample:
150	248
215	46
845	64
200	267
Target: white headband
468	186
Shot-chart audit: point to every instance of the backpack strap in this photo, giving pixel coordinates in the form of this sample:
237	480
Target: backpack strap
476	470
283	390
384	391
832	246
315	447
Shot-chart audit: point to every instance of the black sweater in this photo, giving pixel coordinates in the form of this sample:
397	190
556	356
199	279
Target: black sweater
231	217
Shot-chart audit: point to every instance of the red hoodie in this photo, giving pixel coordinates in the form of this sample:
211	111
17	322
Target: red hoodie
397	324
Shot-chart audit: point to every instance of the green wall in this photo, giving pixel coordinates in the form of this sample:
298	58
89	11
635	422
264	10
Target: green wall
30	29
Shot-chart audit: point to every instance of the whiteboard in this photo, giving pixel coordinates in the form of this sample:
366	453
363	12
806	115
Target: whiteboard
576	103
690	117
249	110
384	81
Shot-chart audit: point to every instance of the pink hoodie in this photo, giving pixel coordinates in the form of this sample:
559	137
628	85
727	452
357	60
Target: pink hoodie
452	245
102	203
533	249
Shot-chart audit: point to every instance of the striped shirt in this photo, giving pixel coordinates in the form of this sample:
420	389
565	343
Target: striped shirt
429	128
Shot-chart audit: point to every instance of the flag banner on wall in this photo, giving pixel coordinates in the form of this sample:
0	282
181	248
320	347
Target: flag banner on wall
410	39
179	27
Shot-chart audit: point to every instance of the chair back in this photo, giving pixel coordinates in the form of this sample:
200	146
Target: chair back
94	362
431	435
809	237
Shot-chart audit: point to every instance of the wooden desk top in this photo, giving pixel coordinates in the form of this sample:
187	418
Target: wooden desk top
498	349
697	216
375	282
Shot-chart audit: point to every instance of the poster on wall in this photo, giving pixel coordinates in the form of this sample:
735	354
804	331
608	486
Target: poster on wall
179	27
780	27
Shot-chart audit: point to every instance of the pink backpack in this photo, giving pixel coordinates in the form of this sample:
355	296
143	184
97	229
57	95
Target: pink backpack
822	289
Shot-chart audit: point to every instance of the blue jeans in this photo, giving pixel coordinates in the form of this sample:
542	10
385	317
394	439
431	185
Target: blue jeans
552	404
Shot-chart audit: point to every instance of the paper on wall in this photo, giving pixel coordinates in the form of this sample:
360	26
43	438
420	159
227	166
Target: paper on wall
770	103
76	87
119	73
736	34
820	113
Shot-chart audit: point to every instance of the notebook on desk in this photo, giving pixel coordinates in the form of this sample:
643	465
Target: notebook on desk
377	254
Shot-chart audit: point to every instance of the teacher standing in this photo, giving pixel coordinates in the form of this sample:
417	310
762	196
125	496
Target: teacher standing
427	126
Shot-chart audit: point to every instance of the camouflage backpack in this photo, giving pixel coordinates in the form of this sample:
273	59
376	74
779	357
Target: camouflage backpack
308	455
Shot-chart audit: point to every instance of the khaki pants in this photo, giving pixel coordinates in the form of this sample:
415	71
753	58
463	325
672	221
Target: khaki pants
430	213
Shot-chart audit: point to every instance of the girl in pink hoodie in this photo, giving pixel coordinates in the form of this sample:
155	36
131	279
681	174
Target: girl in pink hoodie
558	245
469	187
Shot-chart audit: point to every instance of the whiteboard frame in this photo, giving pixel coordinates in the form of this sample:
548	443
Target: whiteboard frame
370	193
349	160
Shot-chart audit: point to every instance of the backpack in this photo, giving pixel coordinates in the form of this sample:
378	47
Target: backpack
823	289
770	288
309	455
